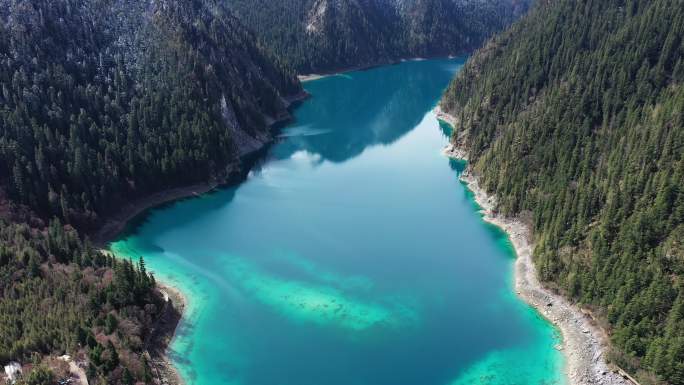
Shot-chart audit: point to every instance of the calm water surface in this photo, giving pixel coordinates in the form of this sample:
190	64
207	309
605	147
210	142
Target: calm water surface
351	256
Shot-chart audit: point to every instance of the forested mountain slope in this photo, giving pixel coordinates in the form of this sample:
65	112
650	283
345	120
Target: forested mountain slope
575	119
102	102
324	35
60	296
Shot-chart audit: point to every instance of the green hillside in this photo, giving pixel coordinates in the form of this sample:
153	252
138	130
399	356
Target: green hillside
575	119
103	102
325	35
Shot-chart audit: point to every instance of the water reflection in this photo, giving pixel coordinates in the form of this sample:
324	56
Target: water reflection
368	108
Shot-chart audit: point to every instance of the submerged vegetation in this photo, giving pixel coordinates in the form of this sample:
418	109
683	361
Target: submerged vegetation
574	118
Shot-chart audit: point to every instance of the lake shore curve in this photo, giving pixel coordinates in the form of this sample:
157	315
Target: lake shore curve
584	344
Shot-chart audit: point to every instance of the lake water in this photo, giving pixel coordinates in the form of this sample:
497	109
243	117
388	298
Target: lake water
351	256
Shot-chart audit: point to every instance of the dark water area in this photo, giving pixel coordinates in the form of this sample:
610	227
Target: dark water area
352	255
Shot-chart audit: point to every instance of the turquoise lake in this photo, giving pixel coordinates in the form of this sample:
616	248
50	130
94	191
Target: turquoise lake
351	255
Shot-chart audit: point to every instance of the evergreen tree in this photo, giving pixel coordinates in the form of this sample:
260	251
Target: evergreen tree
573	117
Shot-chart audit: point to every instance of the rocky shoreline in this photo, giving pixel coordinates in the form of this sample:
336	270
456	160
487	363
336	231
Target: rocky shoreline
163	332
584	343
176	302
